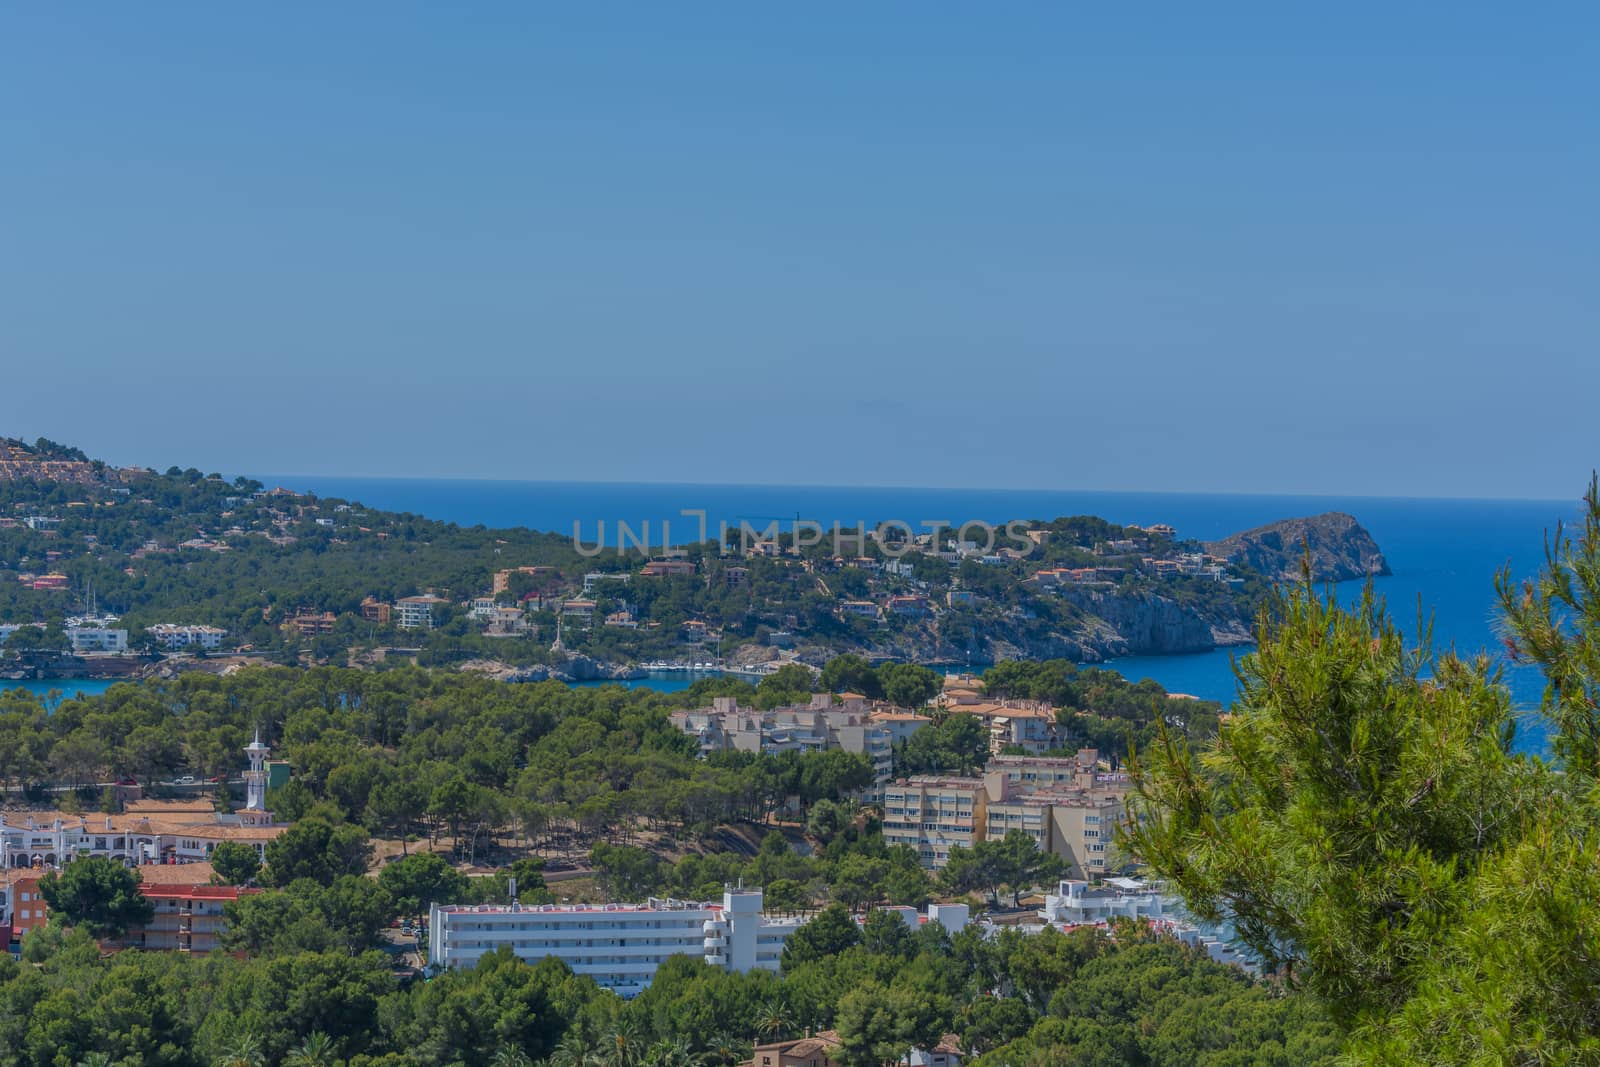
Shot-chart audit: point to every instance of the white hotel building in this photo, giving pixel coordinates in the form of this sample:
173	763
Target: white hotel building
621	945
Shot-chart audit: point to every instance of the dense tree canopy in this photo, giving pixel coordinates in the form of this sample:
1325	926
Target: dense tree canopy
98	894
1366	824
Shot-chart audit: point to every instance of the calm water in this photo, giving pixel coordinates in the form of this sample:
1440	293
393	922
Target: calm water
660	681
68	687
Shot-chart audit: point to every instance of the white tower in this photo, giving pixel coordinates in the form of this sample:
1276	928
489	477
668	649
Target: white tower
255	779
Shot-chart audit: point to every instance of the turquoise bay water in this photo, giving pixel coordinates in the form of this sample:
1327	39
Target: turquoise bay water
660	681
67	687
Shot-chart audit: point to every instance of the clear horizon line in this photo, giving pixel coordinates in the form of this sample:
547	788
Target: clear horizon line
621	483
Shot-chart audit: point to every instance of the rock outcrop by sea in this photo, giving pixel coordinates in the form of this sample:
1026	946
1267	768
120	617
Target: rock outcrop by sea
1340	549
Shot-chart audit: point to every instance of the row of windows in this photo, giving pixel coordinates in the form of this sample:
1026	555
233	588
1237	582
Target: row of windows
592	942
682	926
653	960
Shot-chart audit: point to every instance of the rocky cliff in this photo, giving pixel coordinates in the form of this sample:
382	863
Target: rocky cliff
1341	549
1142	615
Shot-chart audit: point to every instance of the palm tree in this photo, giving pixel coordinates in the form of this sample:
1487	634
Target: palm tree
510	1056
623	1046
670	1053
244	1052
726	1049
95	1059
573	1051
317	1050
774	1020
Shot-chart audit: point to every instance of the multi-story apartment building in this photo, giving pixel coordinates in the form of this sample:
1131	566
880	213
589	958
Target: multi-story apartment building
188	916
1026	724
852	726
1065	808
173	638
1035	773
188	910
620	946
899	723
91	633
311	623
932	814
375	610
22	908
1078	826
416	612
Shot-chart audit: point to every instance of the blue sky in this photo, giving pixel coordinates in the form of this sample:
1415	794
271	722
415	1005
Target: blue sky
1208	247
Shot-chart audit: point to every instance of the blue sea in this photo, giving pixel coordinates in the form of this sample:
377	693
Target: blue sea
1444	553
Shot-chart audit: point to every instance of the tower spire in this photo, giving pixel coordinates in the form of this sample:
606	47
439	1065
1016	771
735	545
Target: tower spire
255	779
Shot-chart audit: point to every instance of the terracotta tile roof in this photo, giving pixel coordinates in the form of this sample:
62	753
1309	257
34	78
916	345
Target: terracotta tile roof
179	824
175	874
199	806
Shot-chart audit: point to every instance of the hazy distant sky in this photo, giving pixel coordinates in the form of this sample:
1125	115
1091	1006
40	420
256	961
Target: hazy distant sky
1272	247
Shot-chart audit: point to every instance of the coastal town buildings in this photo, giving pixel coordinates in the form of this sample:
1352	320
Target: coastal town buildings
188	909
667	568
502	579
9	628
620	946
22	908
1067	806
147	831
310	623
1030	725
851	726
933	814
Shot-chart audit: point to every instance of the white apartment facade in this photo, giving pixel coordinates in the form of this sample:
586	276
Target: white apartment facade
175	638
91	633
620	946
416	612
9	628
1075	903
